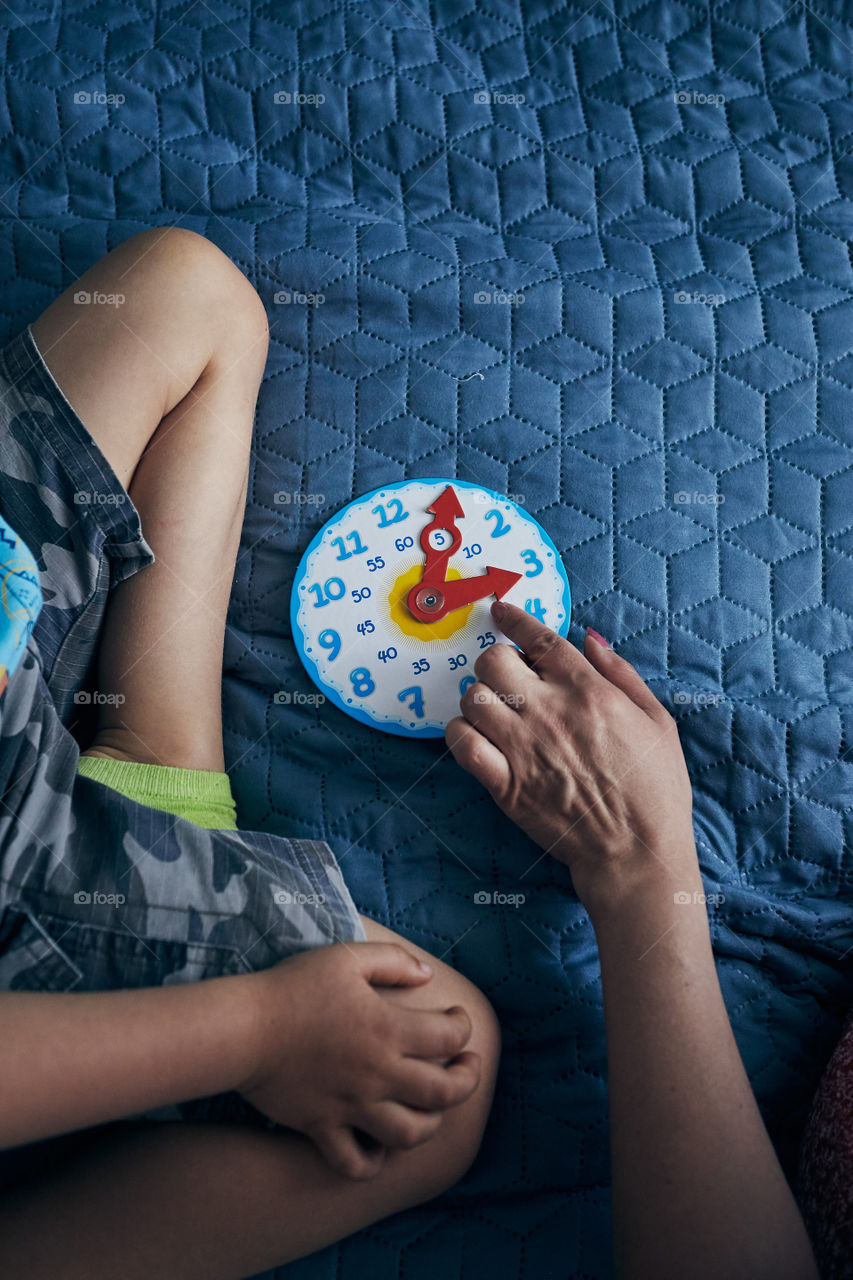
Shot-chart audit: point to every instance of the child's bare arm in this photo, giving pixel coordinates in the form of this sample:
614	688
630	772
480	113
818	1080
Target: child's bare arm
310	1042
223	1201
75	1060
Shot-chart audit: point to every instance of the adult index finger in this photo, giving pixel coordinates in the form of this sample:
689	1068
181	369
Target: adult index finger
545	650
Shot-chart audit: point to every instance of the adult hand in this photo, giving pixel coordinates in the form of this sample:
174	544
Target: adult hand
576	749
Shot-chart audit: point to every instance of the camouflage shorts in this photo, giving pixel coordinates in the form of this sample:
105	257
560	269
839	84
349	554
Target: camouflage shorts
97	891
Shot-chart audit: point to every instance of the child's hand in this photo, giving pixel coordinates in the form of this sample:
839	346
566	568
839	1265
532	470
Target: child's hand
336	1055
578	751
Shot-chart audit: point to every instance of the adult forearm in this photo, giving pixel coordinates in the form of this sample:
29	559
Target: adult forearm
697	1187
68	1061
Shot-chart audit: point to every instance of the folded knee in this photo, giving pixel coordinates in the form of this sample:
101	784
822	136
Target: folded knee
486	1042
207	281
439	1163
458	1140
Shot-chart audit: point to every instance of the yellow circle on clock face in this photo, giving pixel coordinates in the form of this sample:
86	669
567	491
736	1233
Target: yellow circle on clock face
444	628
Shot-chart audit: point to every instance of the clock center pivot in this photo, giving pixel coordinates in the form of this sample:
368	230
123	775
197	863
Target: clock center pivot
429	627
429	599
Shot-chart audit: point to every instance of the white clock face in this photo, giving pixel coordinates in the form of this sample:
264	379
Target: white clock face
390	606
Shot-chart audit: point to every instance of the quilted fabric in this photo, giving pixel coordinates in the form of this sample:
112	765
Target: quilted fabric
668	192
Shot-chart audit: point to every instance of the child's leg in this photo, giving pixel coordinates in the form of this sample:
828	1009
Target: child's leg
218	1202
166	383
178	365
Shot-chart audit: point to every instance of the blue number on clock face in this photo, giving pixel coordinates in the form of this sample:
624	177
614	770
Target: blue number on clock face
330	640
358	547
362	682
416	694
501	526
332	589
534	608
464	682
531	558
383	509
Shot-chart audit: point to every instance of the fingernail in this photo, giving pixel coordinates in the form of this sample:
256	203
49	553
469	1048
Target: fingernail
598	638
498	609
426	967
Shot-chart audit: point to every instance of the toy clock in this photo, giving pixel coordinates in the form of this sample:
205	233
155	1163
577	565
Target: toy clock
390	605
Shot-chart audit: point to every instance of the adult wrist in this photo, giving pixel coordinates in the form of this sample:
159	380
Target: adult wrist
653	882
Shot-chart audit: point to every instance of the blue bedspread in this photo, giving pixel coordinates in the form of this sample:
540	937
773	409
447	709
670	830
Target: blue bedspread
671	195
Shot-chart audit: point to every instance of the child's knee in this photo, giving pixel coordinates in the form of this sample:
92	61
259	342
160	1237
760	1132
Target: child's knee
449	1154
239	302
485	1028
463	1126
195	269
420	1174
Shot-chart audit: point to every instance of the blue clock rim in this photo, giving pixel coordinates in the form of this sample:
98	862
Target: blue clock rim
310	665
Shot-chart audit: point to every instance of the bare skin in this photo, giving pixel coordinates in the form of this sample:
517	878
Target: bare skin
606	791
586	760
334	1043
220	1202
166	384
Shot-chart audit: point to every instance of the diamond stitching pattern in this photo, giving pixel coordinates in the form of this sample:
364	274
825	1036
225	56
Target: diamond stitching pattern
672	399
